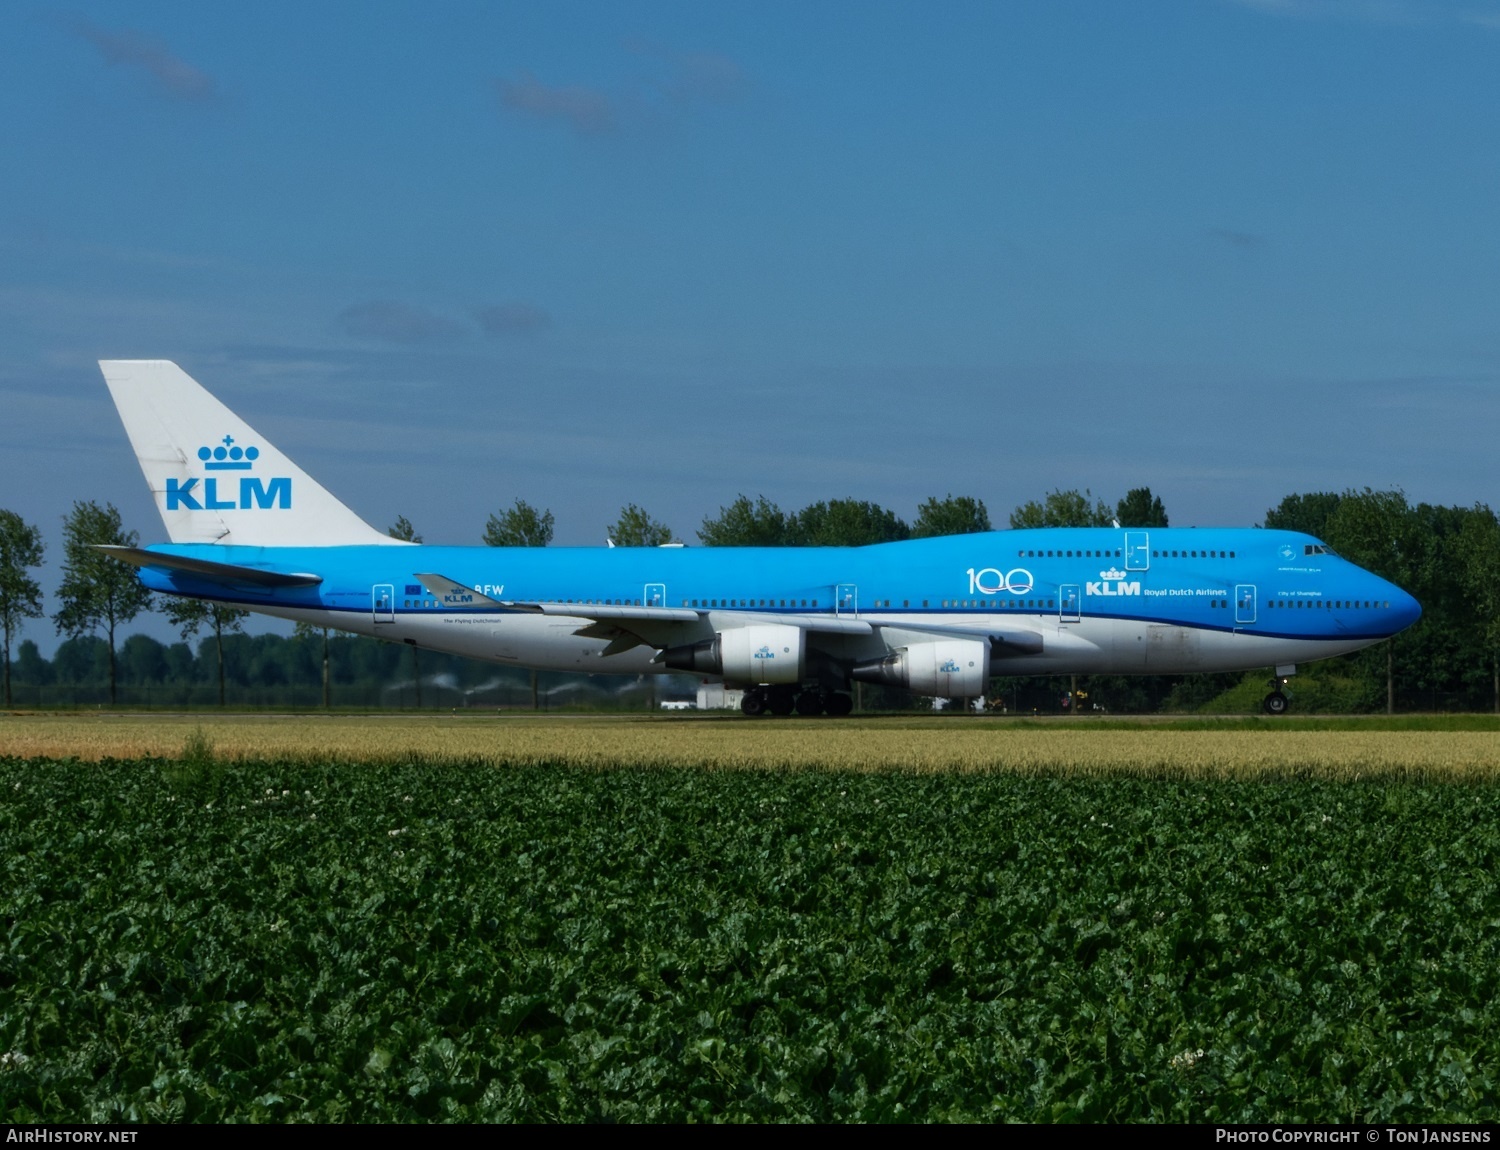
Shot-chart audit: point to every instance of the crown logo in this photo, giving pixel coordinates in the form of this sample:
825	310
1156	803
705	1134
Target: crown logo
1112	573
228	456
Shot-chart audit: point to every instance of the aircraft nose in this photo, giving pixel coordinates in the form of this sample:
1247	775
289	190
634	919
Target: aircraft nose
1405	610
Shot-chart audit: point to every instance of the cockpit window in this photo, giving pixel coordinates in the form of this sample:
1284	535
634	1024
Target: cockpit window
1317	549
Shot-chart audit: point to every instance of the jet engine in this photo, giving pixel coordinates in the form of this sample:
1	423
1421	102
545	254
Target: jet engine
771	653
950	668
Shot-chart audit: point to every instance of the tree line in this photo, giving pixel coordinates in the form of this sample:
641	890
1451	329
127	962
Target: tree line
255	669
1446	556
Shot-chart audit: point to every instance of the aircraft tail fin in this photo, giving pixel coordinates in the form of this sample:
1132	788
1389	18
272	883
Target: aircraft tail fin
214	478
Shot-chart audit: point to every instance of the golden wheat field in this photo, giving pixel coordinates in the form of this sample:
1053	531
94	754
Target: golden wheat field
604	741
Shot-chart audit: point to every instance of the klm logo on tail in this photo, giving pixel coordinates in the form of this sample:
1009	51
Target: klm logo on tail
254	493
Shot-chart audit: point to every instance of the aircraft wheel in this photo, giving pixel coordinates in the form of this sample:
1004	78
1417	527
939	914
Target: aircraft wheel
1276	703
753	704
840	704
781	701
810	703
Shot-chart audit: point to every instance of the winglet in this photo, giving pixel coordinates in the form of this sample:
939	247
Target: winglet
455	595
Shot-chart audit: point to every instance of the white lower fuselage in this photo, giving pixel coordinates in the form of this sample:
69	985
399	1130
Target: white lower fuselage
1087	646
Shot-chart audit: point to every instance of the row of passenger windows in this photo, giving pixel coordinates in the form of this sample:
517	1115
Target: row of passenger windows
1116	554
748	603
992	604
1337	603
418	603
1068	554
996	604
1192	554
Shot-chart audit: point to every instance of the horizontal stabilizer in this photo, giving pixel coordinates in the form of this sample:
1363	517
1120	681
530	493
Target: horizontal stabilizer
226	573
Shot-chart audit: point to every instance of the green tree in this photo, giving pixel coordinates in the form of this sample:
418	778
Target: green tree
402	529
1379	531
190	616
635	528
1063	509
1308	513
97	591
20	595
847	523
31	667
747	524
307	631
1446	653
1478	551
520	526
1140	508
952	515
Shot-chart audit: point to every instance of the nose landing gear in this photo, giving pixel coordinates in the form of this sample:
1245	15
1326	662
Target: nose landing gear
1277	702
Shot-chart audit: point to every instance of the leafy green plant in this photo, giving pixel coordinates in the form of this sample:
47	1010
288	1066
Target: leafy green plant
196	771
472	940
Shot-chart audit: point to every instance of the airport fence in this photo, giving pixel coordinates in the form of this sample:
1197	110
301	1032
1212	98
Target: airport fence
570	695
346	697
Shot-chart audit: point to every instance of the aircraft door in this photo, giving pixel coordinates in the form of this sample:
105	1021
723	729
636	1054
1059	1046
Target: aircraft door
383	602
656	595
1137	551
1244	604
846	599
1067	603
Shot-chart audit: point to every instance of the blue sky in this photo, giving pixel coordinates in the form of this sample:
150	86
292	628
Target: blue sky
450	255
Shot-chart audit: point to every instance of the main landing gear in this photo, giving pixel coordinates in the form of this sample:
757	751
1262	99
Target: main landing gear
785	700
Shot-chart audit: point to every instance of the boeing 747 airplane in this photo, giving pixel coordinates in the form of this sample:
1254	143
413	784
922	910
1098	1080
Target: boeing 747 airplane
793	627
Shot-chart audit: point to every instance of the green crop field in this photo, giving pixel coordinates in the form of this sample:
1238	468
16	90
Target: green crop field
315	938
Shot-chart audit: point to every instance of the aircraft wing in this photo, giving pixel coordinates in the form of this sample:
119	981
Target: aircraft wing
630	626
661	627
1011	640
607	611
229	574
452	593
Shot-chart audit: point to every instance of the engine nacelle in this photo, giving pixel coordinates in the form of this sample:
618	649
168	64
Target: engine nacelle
948	668
766	655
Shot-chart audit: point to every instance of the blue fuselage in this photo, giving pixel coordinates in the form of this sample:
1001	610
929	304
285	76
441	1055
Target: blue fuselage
1104	599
